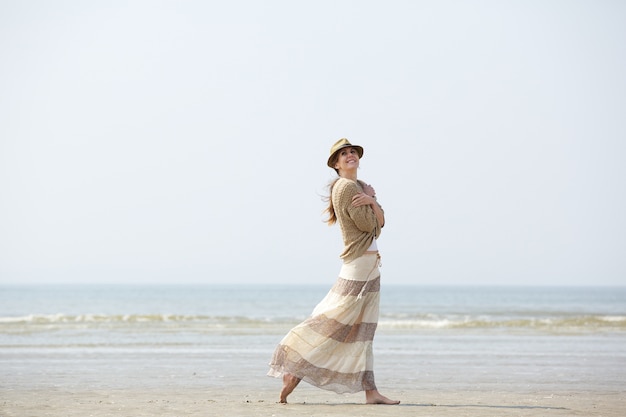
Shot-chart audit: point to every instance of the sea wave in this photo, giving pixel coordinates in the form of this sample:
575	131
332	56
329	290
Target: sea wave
52	321
43	322
103	318
587	322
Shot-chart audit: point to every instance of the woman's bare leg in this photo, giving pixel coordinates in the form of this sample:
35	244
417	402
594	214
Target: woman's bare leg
290	383
375	397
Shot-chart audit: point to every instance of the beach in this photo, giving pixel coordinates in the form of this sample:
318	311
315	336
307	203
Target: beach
205	352
306	402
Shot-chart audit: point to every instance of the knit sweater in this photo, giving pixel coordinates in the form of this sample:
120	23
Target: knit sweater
359	226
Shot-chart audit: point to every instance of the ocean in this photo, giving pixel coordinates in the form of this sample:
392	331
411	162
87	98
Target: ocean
548	339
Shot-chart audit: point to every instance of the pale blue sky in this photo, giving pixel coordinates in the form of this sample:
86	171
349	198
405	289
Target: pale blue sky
185	141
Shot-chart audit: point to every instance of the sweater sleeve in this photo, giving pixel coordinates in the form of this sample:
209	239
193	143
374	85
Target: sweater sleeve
363	217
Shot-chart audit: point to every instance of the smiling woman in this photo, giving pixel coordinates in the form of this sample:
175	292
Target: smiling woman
332	349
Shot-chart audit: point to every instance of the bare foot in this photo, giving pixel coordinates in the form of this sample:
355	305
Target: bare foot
290	383
375	397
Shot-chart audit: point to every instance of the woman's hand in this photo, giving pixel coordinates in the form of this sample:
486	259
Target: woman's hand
369	190
362	199
368	198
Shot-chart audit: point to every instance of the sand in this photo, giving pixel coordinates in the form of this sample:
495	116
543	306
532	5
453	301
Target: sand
305	401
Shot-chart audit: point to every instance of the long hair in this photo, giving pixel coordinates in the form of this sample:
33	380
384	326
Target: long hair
330	209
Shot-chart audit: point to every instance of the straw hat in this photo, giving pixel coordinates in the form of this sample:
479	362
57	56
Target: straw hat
340	144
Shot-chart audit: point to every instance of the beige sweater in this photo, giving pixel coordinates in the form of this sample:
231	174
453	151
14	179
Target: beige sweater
359	226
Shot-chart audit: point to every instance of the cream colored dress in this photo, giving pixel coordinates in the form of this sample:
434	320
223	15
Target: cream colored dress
332	349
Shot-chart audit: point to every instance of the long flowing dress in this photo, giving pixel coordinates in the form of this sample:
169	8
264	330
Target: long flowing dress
332	349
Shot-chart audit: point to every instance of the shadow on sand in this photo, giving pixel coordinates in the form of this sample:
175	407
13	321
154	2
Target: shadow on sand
511	407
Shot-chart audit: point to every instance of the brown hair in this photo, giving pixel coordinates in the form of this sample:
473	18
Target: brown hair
330	209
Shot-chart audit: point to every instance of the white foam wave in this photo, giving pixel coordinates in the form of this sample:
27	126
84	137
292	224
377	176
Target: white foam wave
397	322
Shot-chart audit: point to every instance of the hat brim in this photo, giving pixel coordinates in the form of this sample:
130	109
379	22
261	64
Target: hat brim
359	150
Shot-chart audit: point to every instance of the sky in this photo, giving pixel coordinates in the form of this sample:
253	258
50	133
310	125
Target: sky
185	142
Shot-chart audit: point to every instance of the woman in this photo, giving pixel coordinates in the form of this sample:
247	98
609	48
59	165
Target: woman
332	349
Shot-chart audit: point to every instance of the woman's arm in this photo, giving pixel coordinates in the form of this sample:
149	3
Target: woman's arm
363	199
369	191
344	194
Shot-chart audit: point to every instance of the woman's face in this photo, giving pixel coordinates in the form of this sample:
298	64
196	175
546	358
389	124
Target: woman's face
347	159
